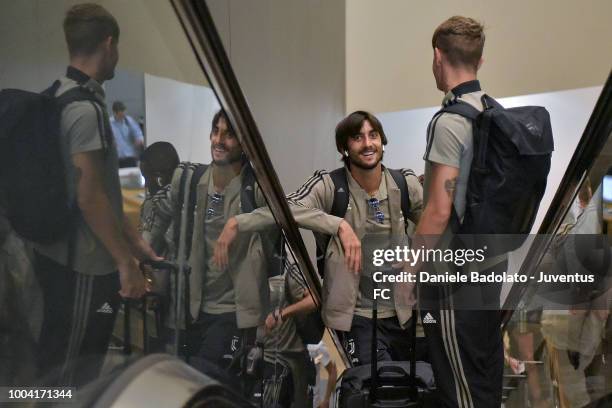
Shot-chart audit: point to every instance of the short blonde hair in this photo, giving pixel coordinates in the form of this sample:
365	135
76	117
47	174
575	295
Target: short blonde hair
461	39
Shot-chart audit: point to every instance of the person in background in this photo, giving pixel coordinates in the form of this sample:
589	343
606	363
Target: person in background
128	136
157	165
320	357
285	358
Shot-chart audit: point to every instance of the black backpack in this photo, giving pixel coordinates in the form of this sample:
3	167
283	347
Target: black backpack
512	153
32	167
341	201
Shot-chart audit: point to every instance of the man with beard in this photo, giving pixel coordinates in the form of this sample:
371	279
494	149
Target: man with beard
372	214
224	303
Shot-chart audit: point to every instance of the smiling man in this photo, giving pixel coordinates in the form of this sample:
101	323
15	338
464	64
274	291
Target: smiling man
224	303
359	202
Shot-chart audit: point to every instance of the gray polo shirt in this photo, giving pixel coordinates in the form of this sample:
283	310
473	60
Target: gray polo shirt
85	127
450	142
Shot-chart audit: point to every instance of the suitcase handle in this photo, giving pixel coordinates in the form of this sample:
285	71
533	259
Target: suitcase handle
393	370
167	265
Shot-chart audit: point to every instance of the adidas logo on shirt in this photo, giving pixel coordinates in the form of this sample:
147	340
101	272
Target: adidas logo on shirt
340	190
429	319
105	308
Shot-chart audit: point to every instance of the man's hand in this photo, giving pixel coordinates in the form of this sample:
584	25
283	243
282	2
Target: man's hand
227	236
514	364
351	245
138	246
272	321
133	283
143	251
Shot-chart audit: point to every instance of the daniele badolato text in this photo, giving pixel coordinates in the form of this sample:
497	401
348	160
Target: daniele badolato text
406	256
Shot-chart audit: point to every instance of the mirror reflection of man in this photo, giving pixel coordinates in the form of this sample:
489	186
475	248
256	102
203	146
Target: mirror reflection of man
80	281
128	136
226	304
374	213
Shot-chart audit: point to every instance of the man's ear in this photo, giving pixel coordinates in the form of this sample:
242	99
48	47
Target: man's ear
437	56
106	44
480	62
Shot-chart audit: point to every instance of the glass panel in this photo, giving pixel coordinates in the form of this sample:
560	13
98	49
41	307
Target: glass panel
557	346
290	66
229	301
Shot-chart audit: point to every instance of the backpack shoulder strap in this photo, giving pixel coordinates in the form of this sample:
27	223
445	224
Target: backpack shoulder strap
183	167
196	170
274	243
462	108
399	176
51	91
341	194
76	94
467	111
196	176
80	93
339	207
247	190
489	102
480	134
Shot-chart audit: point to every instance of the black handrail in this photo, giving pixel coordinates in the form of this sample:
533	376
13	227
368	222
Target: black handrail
201	32
594	137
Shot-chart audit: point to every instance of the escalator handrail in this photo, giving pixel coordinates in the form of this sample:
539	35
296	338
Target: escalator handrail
593	139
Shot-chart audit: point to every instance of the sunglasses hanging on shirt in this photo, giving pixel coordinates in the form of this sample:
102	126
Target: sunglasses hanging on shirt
375	205
216	205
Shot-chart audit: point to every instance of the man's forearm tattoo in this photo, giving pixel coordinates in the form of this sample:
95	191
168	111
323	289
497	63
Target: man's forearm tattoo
450	186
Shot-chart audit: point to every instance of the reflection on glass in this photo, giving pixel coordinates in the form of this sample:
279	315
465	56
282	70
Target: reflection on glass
66	323
562	350
362	201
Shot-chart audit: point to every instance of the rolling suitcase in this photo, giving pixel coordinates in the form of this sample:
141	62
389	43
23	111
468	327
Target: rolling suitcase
390	384
150	307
